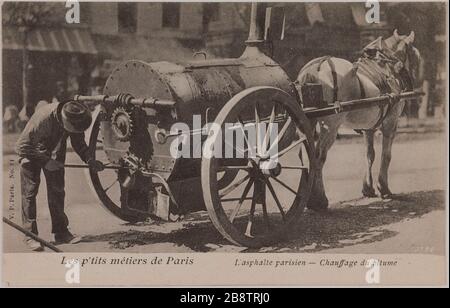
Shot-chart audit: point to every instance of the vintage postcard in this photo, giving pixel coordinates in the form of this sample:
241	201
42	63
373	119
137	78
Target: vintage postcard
224	144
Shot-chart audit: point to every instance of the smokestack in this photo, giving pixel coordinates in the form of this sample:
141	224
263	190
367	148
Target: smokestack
257	24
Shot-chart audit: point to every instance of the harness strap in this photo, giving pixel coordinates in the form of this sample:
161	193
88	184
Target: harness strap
312	62
333	74
363	95
361	88
392	102
384	112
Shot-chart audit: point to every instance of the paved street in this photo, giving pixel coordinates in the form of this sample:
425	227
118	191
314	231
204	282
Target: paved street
413	222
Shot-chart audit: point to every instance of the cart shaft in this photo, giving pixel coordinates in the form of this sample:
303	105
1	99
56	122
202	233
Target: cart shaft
339	107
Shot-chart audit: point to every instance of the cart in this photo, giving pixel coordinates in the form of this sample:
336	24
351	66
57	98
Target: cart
254	187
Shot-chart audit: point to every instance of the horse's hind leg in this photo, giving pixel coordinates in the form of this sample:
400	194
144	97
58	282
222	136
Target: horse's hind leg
327	136
386	154
368	190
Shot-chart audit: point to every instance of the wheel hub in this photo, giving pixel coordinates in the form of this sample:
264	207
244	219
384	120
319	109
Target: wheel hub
270	167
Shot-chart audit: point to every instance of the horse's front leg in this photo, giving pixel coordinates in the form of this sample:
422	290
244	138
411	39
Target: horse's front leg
368	190
386	155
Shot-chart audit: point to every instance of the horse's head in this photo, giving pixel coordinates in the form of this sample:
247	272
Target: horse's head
408	56
399	53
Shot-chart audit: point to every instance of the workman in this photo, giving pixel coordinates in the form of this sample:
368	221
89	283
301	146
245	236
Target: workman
42	146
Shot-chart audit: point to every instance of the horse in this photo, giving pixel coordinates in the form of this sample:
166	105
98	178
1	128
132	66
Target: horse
385	66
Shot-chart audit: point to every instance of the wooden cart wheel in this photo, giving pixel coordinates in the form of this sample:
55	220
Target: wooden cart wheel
106	183
275	177
227	178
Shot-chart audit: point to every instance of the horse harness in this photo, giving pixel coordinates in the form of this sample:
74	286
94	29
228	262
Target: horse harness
369	68
384	83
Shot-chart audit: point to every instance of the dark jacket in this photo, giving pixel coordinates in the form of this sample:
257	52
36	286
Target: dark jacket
44	137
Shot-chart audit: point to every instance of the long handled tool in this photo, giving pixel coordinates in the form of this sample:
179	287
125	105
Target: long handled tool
86	166
32	235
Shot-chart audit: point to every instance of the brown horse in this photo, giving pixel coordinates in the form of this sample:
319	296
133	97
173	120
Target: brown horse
386	66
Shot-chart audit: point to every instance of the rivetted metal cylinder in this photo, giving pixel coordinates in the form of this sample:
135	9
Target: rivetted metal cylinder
198	88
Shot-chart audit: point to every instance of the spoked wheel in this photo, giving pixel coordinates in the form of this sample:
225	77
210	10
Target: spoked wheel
273	165
227	177
108	183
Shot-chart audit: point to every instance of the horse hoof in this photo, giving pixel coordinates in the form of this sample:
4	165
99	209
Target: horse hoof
368	192
385	193
318	209
318	205
387	196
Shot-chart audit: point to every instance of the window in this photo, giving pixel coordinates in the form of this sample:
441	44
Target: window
211	12
85	13
127	15
171	15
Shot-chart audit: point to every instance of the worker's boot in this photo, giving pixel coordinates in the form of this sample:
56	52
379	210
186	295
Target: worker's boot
63	237
33	245
66	238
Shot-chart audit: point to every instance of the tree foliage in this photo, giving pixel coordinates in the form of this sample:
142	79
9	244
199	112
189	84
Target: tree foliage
27	15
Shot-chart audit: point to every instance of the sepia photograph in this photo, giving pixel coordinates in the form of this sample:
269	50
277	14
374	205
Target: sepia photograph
291	140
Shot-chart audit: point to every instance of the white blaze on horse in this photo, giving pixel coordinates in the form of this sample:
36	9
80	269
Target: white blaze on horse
386	66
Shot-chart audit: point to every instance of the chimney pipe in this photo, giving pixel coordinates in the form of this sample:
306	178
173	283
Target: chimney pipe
257	24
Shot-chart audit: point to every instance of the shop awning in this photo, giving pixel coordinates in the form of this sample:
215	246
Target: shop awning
58	40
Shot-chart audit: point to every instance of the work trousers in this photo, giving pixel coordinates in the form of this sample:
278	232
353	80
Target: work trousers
30	176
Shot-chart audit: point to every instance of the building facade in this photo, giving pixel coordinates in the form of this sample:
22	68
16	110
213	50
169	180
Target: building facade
340	29
82	55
